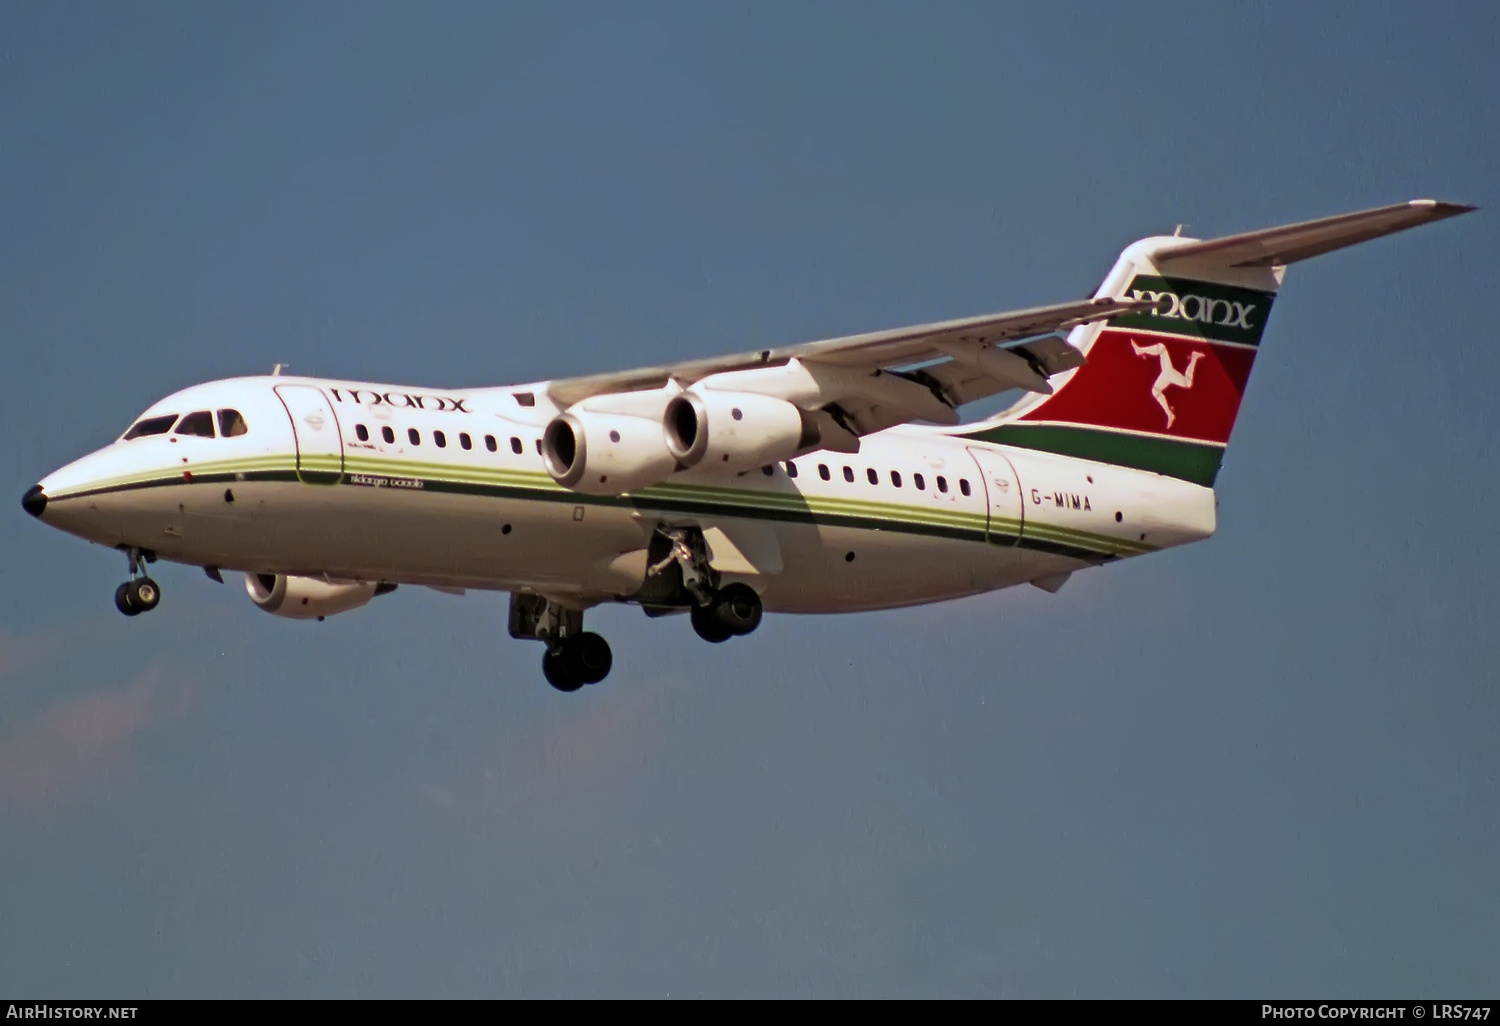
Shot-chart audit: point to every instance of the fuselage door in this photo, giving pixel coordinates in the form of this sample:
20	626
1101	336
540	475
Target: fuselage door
320	443
1004	490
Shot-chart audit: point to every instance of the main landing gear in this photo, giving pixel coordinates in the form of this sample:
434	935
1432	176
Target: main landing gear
574	656
718	613
578	660
140	594
733	611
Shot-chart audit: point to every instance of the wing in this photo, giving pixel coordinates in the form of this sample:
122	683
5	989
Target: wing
965	359
1272	247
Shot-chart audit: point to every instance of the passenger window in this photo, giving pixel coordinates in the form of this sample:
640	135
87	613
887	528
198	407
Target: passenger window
942	483
231	424
439	439
515	445
823	471
896	478
849	474
465	441
874	477
963	485
361	432
388	435
538	446
489	443
791	469
411	433
200	423
151	426
916	479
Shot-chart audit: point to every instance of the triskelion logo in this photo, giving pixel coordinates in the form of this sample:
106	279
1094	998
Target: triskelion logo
1169	375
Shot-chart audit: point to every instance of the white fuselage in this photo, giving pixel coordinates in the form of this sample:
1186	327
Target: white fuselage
348	481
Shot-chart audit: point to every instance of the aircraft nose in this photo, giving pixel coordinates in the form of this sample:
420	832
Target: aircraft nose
34	501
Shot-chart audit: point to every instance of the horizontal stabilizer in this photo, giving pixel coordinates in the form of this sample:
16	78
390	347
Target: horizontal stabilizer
1273	247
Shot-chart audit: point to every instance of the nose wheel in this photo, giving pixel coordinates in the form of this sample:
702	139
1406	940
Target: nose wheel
140	594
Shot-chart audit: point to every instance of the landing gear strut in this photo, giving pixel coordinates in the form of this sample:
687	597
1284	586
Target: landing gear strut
718	613
140	594
574	656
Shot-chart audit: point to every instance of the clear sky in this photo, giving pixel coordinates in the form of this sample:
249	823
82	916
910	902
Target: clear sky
1262	765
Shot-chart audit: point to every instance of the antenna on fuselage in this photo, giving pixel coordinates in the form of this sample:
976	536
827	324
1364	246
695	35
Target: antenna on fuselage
1177	232
276	370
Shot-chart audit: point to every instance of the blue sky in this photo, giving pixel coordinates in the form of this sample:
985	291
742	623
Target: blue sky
1263	765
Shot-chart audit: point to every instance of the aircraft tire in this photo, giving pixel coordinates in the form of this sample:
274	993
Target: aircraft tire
559	671
708	626
144	594
122	600
737	607
590	657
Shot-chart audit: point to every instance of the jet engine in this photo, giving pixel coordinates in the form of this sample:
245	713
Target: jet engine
609	444
736	431
309	598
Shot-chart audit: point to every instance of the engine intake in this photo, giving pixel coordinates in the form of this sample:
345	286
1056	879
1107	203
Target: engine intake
736	431
609	444
309	598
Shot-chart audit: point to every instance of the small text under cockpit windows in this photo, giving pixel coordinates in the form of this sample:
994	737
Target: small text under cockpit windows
231	424
151	426
200	423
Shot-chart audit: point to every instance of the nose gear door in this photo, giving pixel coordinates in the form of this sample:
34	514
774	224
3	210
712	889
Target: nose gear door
320	442
1004	490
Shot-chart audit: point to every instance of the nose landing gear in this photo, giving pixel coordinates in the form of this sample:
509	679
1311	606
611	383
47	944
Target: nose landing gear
140	594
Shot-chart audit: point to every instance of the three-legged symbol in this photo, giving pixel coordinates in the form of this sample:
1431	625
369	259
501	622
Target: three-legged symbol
1169	375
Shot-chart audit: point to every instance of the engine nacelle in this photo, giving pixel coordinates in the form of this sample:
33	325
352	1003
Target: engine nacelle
735	431
308	598
609	444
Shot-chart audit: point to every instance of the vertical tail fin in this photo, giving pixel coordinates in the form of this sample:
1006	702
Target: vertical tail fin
1161	389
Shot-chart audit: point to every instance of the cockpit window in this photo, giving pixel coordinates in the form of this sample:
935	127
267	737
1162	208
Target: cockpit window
200	423
231	424
151	426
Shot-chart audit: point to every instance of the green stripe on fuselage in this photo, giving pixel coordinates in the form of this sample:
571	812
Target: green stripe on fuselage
692	499
1197	462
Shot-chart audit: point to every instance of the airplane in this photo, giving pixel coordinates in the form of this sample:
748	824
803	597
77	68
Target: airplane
827	477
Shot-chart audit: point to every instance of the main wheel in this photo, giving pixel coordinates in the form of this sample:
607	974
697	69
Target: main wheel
590	656
738	608
122	600
558	669
144	594
708	626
